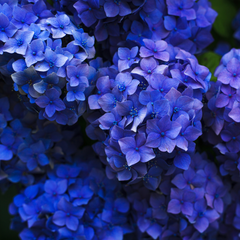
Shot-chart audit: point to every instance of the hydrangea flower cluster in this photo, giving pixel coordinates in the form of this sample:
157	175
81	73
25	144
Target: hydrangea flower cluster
221	115
184	23
121	76
147	103
46	57
188	203
75	201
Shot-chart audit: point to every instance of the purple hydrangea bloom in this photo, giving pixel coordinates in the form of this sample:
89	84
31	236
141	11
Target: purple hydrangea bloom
19	43
7	28
162	134
181	8
51	102
85	42
52	62
89	11
113	8
34	52
181	201
127	58
155	49
202	216
61	26
67	215
135	149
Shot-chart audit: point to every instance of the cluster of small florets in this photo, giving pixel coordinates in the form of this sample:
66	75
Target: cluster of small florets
127	67
72	202
188	203
28	146
184	23
45	53
221	114
146	104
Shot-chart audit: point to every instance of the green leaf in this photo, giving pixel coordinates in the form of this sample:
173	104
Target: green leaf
50	2
226	12
211	60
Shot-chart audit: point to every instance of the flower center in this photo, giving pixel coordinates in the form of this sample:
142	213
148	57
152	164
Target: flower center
84	43
162	134
134	112
51	64
200	214
121	88
61	26
176	109
19	42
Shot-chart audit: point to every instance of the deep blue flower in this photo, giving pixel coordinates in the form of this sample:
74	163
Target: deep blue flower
80	193
135	149
127	57
202	216
33	155
52	62
85	42
38	34
148	67
34	52
155	49
7	29
76	93
89	11
125	84
32	211
61	26
133	110
162	133
40	9
19	43
26	79
78	74
50	81
67	215
181	201
113	8
51	102
7	147
23	18
189	180
54	190
181	8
